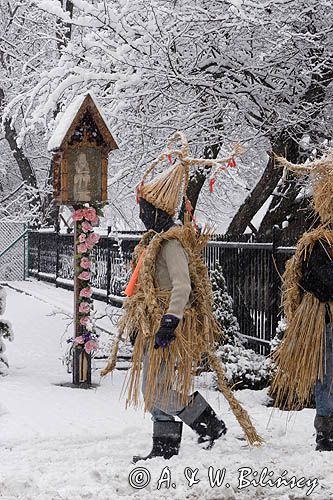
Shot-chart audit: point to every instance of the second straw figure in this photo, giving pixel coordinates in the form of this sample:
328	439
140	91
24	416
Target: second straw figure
168	313
305	357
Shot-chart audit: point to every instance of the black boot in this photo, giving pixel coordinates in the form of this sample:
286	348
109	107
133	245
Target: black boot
324	429
167	436
201	417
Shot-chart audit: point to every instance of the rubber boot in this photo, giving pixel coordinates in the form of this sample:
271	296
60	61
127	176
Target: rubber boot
201	417
167	436
324	430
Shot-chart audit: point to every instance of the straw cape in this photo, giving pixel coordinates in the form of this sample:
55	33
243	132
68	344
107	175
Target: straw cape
143	311
195	335
299	358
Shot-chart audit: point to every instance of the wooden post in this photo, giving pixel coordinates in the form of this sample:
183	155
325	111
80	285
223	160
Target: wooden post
81	360
80	144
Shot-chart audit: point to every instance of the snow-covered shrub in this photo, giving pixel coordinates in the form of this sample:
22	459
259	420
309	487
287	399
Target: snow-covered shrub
280	329
244	368
6	332
275	343
223	308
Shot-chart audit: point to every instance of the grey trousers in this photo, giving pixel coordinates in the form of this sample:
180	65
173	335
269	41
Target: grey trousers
162	411
324	390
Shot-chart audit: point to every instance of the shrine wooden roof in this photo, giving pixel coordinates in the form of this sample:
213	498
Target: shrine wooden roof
71	118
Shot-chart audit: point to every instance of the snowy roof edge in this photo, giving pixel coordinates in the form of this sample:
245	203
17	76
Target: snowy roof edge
66	118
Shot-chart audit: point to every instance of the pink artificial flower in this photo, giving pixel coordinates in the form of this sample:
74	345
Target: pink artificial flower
84	307
91	345
82	247
82	238
78	215
84	320
78	340
85	263
90	214
85	275
92	239
86	292
86	227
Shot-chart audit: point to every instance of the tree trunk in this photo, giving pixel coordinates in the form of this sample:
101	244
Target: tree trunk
24	165
262	190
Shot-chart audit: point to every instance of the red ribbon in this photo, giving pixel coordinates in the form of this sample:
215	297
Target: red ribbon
232	162
138	189
188	207
211	184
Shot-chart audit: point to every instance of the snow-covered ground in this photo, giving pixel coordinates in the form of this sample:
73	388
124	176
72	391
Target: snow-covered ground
73	444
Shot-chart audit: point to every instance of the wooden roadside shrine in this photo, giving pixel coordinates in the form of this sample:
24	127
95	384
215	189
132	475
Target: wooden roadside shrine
81	144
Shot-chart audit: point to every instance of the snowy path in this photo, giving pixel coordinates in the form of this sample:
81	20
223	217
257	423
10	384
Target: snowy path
70	444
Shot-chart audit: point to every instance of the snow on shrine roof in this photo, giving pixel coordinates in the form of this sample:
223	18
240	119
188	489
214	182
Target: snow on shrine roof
66	119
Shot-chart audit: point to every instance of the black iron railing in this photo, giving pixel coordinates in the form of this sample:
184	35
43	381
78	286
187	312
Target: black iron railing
251	270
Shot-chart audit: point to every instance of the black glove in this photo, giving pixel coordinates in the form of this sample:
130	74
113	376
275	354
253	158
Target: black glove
166	332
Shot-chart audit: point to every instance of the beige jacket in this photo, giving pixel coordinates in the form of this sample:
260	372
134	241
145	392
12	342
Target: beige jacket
172	273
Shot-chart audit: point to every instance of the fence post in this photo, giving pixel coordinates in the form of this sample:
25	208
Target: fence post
108	267
24	253
275	279
38	264
57	258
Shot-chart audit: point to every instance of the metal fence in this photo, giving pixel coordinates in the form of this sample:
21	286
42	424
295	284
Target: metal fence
251	270
13	251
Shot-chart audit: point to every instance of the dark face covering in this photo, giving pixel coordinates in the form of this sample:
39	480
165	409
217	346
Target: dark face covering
154	218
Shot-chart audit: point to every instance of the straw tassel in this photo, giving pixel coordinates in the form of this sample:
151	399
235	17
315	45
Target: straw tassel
112	361
241	415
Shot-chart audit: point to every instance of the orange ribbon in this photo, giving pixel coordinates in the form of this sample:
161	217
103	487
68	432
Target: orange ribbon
134	278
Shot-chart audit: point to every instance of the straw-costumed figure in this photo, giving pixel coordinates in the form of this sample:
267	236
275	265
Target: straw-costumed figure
143	310
299	358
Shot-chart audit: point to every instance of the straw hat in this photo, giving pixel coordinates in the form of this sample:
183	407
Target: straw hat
321	172
165	190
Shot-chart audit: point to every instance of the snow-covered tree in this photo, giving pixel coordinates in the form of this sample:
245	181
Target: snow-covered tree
223	308
30	42
6	332
219	70
244	368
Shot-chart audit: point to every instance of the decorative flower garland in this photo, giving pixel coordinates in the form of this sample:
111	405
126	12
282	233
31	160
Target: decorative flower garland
85	217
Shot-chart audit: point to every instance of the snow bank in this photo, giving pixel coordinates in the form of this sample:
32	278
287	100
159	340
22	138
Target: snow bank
58	443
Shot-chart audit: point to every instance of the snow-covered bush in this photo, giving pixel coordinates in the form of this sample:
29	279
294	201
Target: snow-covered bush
244	368
280	329
6	332
223	308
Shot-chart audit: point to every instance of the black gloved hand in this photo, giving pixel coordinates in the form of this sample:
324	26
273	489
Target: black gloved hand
166	332
133	336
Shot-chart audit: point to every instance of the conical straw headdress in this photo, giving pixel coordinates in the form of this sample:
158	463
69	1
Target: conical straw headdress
165	190
321	171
